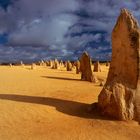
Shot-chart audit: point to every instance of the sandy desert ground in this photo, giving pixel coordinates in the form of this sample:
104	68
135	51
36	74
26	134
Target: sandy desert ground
47	104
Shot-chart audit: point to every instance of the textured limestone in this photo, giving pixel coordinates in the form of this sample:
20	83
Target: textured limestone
85	68
77	64
41	63
47	63
69	66
97	67
61	63
33	66
55	64
120	95
10	65
51	63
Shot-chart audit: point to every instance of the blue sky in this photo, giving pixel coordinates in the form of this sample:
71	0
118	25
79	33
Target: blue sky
43	29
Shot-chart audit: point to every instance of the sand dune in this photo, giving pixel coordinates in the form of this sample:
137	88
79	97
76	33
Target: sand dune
48	104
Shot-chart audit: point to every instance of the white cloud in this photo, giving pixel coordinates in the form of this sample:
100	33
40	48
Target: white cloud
38	28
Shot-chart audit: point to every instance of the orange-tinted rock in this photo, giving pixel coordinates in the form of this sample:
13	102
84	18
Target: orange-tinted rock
47	63
120	95
61	63
97	67
51	63
69	66
10	65
77	64
85	68
41	63
55	64
33	66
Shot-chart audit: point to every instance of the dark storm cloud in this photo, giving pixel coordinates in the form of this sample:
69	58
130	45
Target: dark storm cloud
98	17
41	29
5	3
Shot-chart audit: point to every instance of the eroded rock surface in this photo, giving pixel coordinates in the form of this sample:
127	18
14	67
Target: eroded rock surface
85	68
69	66
120	95
33	66
55	64
77	64
97	67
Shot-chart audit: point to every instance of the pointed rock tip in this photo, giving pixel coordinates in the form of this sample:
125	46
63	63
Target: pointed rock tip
85	53
125	11
129	18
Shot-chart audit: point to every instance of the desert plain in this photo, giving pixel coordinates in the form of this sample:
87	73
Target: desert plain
54	104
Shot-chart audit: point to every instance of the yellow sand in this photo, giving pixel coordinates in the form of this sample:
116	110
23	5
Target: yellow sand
46	104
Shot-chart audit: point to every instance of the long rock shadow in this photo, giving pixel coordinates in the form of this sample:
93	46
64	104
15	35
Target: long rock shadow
72	108
60	78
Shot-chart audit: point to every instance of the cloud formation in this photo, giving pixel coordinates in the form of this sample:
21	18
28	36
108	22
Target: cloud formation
44	29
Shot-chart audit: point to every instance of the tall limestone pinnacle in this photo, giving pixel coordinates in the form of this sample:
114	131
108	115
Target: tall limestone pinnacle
85	68
120	97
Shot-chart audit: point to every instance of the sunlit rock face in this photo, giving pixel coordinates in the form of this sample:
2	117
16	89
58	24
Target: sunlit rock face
85	68
68	66
77	64
97	67
119	97
61	64
55	64
33	66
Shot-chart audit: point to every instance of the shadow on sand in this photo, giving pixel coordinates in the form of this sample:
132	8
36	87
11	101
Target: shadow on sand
60	78
72	108
28	68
